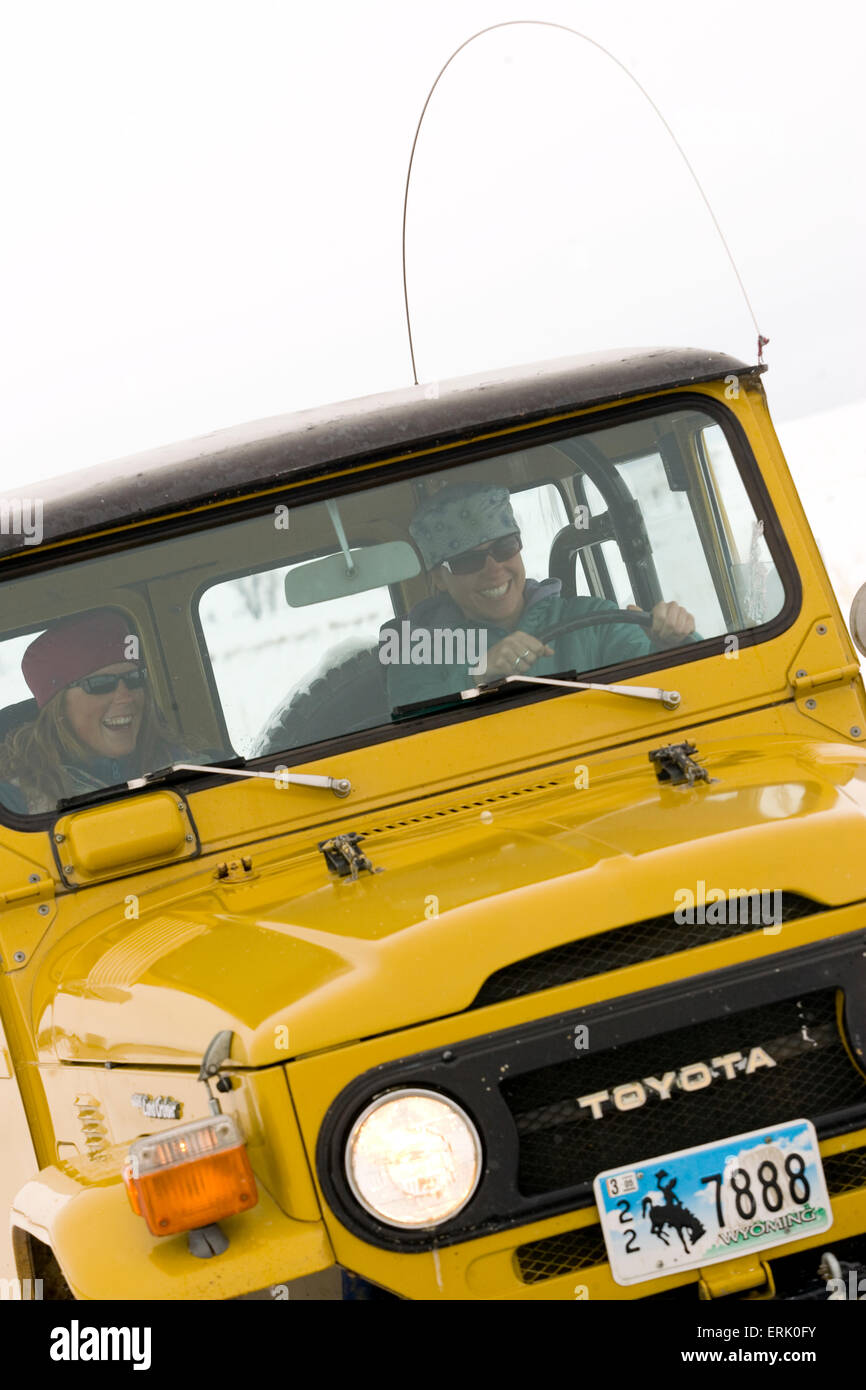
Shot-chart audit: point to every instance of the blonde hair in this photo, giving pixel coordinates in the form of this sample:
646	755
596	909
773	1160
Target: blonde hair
35	756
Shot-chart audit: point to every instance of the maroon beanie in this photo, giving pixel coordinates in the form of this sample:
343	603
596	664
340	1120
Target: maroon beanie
74	648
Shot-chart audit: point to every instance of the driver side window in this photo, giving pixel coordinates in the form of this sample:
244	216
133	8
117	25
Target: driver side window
666	510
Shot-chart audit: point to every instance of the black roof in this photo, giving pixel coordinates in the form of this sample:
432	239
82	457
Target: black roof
264	453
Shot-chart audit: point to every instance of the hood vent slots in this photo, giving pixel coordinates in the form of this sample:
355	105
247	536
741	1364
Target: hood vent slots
463	806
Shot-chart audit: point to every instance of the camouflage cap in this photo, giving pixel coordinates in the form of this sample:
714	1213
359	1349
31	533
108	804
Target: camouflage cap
461	517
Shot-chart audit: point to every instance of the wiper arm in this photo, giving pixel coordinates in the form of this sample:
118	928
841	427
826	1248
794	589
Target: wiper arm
340	786
280	776
669	698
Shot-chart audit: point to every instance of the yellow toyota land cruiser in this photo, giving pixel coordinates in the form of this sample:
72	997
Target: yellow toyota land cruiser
432	851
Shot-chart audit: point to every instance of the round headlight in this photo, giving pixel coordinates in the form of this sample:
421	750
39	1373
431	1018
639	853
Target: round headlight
413	1158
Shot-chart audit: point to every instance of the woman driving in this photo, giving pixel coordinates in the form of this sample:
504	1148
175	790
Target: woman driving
96	724
470	543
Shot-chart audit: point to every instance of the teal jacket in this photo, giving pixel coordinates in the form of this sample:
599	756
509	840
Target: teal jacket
587	649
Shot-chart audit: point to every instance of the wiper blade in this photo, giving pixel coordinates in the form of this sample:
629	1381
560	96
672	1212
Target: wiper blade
457	697
115	789
566	680
232	767
669	698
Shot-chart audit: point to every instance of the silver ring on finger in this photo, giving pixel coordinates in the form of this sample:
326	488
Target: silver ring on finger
517	661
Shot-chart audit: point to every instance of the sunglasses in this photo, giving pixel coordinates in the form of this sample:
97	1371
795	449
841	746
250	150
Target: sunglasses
472	561
106	683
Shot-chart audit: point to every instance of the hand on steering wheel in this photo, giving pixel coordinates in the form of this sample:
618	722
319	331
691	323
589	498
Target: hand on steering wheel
513	656
668	623
671	624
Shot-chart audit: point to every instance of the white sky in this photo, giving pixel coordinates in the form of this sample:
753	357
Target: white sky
203	203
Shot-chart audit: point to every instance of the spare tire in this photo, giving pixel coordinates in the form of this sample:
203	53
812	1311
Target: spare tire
349	697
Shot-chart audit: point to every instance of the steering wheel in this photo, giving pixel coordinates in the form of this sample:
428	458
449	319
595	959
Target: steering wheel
622	615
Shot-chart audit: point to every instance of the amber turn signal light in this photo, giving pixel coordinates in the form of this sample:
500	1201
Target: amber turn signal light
190	1176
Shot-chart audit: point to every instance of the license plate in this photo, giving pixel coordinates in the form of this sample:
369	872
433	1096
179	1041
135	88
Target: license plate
713	1202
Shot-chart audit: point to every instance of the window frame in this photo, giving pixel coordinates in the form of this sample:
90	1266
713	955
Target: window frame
513	438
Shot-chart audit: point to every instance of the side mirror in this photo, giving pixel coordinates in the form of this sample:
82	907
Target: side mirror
857	620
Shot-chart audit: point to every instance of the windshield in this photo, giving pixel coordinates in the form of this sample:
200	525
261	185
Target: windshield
584	552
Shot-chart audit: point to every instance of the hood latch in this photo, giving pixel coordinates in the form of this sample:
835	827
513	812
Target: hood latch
675	765
343	856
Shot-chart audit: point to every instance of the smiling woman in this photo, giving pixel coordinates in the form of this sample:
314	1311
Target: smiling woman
94	721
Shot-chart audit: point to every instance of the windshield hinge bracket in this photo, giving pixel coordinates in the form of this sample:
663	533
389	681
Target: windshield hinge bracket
802	680
38	889
824	679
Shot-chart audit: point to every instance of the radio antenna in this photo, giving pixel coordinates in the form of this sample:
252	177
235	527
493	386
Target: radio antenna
564	28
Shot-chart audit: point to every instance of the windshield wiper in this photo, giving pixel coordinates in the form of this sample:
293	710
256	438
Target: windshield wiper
436	703
233	767
565	681
669	698
340	786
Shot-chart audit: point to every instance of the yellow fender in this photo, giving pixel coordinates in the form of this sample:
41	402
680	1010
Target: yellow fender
105	1251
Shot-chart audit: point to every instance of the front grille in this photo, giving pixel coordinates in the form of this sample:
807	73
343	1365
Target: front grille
751	1046
845	1172
566	1253
623	946
563	1144
569	1252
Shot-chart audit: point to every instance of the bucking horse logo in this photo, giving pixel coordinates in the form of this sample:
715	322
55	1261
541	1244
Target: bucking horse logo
672	1213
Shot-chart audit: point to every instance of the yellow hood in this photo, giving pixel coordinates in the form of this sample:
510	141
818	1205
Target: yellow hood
296	960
